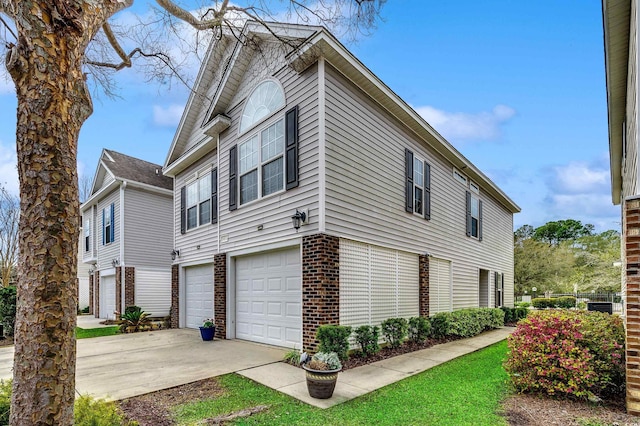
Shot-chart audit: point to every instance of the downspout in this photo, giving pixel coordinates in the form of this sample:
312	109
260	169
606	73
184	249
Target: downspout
123	186
218	192
322	183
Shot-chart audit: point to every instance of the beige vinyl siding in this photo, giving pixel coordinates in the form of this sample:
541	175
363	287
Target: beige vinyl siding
201	242
365	194
630	157
108	252
148	228
239	228
153	290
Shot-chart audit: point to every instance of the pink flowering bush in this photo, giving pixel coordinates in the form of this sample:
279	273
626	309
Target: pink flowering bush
576	354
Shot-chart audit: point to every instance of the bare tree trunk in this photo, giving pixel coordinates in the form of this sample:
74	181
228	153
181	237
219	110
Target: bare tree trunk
53	103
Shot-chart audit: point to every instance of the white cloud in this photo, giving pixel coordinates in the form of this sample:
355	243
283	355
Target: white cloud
167	116
581	191
579	177
464	126
8	168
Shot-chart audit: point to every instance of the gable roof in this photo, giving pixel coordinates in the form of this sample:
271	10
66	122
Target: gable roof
124	168
616	22
313	43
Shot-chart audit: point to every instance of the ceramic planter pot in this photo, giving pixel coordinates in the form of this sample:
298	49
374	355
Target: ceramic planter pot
321	383
207	333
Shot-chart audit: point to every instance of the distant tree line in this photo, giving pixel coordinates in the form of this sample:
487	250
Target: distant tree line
562	255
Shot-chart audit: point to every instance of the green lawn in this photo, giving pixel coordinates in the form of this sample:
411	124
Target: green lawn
465	391
86	333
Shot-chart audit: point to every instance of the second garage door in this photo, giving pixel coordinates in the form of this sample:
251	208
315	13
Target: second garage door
199	294
108	296
269	298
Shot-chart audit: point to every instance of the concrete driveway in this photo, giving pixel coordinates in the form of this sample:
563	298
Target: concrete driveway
122	366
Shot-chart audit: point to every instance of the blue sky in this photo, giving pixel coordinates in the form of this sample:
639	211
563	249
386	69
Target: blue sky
517	87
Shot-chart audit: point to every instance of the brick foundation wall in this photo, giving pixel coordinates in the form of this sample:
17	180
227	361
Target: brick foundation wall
320	285
631	249
118	290
175	296
423	274
90	294
96	306
220	294
129	286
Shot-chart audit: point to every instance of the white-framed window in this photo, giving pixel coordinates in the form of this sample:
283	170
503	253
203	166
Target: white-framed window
198	202
266	98
261	161
108	229
87	235
418	186
475	216
457	175
474	188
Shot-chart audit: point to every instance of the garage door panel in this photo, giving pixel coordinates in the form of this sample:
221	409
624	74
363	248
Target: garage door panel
107	296
199	294
274	298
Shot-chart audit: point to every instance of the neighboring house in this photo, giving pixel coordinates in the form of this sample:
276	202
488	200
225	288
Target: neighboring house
83	276
127	236
620	19
393	220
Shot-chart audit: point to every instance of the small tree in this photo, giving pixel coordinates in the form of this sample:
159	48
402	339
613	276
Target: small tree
9	217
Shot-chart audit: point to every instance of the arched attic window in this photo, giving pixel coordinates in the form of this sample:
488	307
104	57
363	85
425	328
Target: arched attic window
265	99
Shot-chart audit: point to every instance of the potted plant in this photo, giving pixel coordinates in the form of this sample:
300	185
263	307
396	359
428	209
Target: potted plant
208	329
322	374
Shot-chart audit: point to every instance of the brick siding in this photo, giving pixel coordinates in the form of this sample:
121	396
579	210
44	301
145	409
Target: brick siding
91	294
129	286
220	294
97	294
631	249
423	265
118	290
175	296
320	285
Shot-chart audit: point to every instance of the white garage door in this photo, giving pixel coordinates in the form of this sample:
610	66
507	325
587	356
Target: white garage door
269	298
153	291
199	294
108	296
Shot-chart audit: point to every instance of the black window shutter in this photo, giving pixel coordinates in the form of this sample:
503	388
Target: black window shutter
183	208
233	178
427	191
468	214
291	156
214	195
496	286
112	230
480	220
408	161
104	228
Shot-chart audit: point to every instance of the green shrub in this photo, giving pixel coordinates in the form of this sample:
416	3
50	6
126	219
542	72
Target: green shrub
5	401
134	319
85	310
8	309
566	302
521	312
440	324
522	304
367	337
509	314
568	353
292	357
334	338
395	331
419	329
582	305
543	303
98	412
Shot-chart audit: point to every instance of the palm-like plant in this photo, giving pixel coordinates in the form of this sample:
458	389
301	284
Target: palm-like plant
134	319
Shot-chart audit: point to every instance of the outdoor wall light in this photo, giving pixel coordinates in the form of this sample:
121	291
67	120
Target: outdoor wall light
115	262
175	253
298	219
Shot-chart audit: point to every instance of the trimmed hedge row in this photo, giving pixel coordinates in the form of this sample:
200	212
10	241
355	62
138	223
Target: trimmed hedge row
565	302
462	323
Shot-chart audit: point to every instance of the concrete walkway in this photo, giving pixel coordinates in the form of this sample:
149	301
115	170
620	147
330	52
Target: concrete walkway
122	366
89	321
361	380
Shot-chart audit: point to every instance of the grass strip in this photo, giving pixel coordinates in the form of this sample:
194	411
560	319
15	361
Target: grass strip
465	391
87	333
